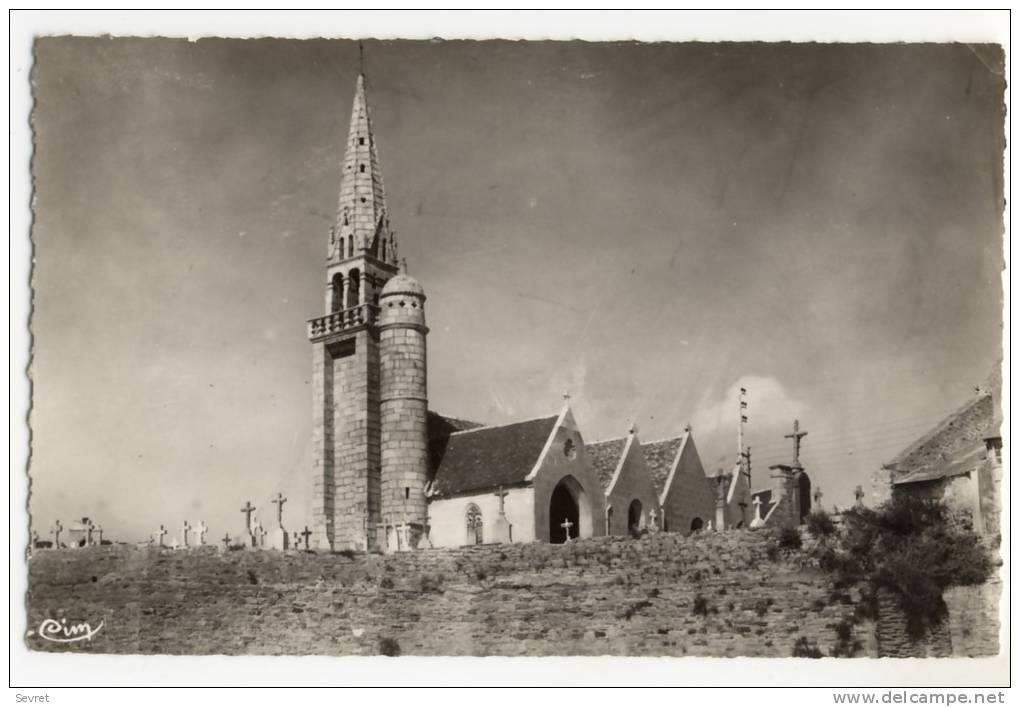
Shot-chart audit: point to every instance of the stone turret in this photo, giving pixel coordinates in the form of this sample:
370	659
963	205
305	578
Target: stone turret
404	409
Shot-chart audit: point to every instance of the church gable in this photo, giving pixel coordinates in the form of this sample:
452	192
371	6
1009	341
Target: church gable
488	457
686	494
631	496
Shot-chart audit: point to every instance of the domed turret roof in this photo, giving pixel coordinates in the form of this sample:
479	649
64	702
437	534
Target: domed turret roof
402	284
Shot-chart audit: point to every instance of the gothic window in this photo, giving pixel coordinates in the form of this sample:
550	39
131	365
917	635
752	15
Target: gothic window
350	247
353	288
337	296
361	141
362	169
473	519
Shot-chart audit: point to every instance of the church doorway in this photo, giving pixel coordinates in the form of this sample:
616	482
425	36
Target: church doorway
569	513
634	520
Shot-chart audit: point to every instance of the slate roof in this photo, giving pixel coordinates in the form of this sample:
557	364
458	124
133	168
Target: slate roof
659	457
954	446
605	457
487	457
440	427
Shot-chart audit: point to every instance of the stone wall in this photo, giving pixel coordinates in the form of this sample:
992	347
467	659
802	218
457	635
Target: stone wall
710	594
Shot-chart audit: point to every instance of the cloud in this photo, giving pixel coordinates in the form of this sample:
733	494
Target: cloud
768	405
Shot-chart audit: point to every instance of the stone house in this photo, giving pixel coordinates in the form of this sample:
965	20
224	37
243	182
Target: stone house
958	460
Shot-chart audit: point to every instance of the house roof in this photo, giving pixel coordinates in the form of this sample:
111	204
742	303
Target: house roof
963	462
488	457
659	458
944	450
605	458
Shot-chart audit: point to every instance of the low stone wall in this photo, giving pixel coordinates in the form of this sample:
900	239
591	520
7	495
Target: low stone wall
712	594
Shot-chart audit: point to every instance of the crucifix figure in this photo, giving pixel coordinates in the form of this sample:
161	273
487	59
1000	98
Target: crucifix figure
160	535
501	495
859	495
201	530
226	541
259	535
796	436
566	525
247	510
818	496
57	527
279	501
185	530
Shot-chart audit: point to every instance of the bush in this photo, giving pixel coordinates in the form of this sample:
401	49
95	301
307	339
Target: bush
700	606
789	539
911	547
431	583
389	647
806	649
348	553
820	524
386	583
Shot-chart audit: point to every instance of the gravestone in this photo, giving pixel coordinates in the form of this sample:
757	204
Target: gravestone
185	531
278	538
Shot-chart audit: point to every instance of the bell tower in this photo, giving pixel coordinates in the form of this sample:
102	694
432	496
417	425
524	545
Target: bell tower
361	257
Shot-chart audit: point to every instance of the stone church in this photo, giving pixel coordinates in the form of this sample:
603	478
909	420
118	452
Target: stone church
390	474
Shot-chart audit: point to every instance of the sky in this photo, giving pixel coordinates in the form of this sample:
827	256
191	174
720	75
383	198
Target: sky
647	227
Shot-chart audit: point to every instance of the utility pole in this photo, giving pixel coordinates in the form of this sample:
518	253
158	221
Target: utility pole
743	454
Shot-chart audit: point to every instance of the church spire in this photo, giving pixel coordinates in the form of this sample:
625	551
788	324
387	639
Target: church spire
362	221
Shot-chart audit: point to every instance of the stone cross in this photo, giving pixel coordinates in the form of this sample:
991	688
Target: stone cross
201	530
57	527
566	525
859	495
796	436
818	496
306	533
501	495
99	532
89	527
757	508
226	541
279	501
160	534
651	519
247	510
185	530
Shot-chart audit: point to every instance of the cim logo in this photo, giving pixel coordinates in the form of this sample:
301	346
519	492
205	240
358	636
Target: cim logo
63	632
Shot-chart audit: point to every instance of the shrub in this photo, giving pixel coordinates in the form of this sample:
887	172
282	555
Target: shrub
389	647
804	648
386	583
820	524
347	553
700	606
789	539
913	548
431	583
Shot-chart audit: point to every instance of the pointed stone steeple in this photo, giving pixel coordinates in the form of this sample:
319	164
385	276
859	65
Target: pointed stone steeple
362	222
